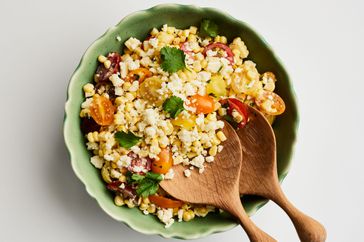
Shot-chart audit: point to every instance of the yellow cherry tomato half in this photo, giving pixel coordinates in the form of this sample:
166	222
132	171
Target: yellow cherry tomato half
187	123
164	163
102	110
203	104
270	103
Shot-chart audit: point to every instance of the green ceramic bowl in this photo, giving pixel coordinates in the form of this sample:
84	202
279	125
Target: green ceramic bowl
138	25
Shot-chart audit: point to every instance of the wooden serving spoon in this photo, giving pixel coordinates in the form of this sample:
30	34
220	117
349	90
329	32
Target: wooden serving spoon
259	174
218	185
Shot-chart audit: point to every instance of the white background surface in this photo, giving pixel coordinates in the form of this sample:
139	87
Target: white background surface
41	43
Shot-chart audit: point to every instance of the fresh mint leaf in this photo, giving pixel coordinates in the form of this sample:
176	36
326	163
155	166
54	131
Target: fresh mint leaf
173	105
208	28
173	59
127	140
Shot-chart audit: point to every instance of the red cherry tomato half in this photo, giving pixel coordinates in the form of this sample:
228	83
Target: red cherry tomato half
230	55
240	107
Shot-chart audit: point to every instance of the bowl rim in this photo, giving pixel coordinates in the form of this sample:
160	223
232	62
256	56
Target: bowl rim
67	124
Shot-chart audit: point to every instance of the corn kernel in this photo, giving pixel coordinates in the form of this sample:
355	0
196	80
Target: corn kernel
201	211
107	64
197	66
88	88
154	32
101	58
129	203
151	208
143	206
221	136
183	38
90	137
188	215
204	64
128	107
193	30
119	201
190	155
215	141
192	38
237	116
217	39
196	143
186	33
84	113
122	178
213	150
126	86
223	39
211	116
146	200
170	30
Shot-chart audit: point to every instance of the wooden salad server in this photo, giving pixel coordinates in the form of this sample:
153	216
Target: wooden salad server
218	185
259	174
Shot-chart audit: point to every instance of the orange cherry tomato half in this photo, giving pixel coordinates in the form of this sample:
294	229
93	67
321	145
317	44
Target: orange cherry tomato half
203	104
271	103
102	110
164	163
139	74
164	202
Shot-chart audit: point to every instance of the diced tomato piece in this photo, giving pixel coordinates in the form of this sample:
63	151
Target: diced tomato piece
164	202
203	104
163	163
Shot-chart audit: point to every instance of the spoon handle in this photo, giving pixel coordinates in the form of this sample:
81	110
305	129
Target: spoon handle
254	233
308	229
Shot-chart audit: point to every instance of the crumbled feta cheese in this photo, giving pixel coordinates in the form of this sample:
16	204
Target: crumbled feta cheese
220	148
97	161
135	149
180	215
134	87
150	116
187	173
124	161
115	174
211	53
116	81
86	103
123	69
132	43
213	64
119	91
166	216
204	76
92	146
108	157
169	175
150	131
154	42
118	38
210	159
177	160
190	90
198	161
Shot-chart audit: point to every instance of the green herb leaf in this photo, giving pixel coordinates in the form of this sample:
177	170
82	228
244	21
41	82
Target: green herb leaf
154	176
127	140
173	105
231	121
173	59
147	188
137	177
208	28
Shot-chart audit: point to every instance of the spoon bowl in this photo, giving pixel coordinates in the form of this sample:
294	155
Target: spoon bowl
218	185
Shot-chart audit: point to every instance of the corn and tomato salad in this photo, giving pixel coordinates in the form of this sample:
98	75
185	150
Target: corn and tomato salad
161	103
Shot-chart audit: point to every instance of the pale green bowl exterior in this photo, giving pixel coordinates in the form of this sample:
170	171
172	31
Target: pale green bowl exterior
139	25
